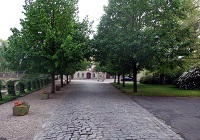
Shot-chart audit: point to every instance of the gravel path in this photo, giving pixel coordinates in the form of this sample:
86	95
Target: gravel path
98	111
83	110
25	127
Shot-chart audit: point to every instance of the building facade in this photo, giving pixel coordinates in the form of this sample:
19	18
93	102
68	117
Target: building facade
91	75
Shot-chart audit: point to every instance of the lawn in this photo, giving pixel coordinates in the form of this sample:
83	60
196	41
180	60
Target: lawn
158	90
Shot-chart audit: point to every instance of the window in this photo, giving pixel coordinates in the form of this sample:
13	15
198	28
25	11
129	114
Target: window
78	75
82	74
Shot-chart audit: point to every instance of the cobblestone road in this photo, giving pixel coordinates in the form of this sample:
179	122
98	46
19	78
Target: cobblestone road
98	111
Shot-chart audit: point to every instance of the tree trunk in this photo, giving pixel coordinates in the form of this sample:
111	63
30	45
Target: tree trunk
52	83
1	98
118	79
162	78
67	79
134	78
123	85
61	80
115	78
0	92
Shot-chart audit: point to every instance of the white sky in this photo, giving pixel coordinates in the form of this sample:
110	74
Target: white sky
11	12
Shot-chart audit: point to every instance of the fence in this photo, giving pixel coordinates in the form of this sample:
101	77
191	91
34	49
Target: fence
9	75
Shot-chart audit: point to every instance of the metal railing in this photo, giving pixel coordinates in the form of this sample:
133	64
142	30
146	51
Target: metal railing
10	75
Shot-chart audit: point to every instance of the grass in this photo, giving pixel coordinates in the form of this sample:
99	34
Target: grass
158	90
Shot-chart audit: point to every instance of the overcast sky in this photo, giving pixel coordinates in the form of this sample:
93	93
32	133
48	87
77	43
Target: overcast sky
11	12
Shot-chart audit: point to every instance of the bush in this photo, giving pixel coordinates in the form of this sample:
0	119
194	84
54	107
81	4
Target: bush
7	99
33	84
41	82
46	81
0	91
189	79
38	84
49	80
28	85
149	79
156	77
11	88
21	88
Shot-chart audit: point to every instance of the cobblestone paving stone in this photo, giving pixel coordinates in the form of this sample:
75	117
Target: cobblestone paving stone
97	111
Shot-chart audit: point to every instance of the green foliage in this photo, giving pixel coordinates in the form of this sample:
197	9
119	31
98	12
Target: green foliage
38	86
41	82
45	83
35	81
99	68
149	79
154	77
0	91
133	35
3	84
11	88
48	81
28	85
53	37
34	84
79	66
21	87
158	90
8	98
31	82
176	35
190	79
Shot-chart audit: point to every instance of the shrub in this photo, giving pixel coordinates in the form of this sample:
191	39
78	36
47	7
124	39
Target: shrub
45	81
149	79
11	88
38	84
17	86
190	79
8	98
49	80
21	87
33	84
41	82
156	78
28	85
0	91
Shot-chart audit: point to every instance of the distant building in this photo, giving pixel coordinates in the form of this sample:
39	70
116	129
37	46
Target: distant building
90	73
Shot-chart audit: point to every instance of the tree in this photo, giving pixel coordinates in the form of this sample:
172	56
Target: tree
50	38
175	35
2	44
79	50
136	33
125	22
